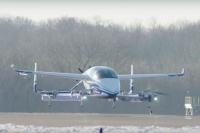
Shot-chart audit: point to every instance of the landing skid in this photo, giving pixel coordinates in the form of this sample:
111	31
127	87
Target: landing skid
113	103
49	102
81	103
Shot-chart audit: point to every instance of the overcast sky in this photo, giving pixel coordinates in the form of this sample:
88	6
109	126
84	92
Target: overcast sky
121	11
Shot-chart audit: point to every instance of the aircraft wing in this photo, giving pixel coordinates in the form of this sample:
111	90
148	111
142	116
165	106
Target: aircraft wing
150	75
63	75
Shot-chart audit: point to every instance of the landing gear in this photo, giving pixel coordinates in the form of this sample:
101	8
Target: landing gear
71	93
81	94
49	102
81	102
114	103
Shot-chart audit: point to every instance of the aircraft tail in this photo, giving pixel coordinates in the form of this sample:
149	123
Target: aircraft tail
35	80
131	81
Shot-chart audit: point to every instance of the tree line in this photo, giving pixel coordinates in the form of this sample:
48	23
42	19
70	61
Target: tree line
66	43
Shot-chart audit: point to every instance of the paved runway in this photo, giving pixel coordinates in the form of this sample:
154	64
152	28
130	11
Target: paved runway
71	119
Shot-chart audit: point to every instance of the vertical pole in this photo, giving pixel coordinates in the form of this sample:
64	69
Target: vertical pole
188	93
35	80
131	81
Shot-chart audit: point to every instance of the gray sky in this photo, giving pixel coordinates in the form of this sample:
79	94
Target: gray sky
123	12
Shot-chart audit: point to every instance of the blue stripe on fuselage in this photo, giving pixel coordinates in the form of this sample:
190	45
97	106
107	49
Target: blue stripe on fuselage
104	89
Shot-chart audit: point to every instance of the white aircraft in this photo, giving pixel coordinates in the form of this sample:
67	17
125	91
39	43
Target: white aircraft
100	82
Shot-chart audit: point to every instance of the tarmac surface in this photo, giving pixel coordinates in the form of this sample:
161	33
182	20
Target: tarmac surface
76	119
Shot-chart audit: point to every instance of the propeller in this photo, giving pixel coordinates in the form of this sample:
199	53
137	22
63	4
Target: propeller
82	71
40	90
160	93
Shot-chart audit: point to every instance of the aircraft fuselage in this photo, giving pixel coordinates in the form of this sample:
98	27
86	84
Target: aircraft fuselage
104	80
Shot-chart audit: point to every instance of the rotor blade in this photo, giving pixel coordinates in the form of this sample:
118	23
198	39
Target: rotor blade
40	90
146	90
160	93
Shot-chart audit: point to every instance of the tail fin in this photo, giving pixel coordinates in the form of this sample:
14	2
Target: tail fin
35	80
131	81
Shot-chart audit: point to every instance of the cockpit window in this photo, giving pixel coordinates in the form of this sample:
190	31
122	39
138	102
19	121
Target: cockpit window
105	73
